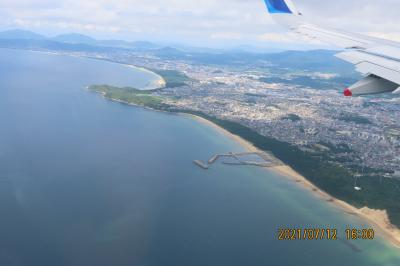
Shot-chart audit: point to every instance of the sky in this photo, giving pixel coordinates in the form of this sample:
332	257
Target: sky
205	23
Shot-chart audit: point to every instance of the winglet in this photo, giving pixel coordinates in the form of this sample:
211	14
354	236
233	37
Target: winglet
280	6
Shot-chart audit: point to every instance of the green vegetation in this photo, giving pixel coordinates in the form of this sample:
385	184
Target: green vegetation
331	177
130	96
341	148
292	117
334	179
173	78
316	83
349	117
249	94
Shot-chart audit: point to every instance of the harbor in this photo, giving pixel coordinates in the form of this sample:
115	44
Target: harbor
201	164
259	159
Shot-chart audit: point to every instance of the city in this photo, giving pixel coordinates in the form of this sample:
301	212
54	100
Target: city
359	132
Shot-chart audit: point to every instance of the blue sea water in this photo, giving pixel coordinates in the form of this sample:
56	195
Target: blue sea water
85	181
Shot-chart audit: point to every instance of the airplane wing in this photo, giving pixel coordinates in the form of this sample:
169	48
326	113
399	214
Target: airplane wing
377	59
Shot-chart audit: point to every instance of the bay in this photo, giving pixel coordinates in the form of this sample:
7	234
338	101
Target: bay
86	181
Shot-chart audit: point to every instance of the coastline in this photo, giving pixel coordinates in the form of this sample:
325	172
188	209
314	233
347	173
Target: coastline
377	218
155	84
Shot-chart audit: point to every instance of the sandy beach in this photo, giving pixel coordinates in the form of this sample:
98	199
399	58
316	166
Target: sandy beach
156	83
377	218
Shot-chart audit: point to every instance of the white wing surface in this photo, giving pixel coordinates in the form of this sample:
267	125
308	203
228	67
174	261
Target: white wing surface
377	59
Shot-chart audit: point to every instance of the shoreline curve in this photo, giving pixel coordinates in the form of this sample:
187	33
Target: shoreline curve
377	218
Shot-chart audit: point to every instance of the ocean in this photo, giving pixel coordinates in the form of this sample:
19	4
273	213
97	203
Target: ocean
86	181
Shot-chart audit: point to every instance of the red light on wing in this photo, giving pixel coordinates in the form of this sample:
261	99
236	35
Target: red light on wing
347	93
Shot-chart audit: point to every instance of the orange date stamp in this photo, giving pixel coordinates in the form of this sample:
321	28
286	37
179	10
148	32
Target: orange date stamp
324	234
308	234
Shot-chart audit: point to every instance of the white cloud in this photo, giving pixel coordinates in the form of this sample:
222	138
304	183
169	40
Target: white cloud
227	35
203	22
284	37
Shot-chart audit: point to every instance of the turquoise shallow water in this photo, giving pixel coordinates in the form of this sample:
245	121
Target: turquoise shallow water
85	181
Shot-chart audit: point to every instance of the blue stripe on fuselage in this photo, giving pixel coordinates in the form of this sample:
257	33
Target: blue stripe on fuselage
277	6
